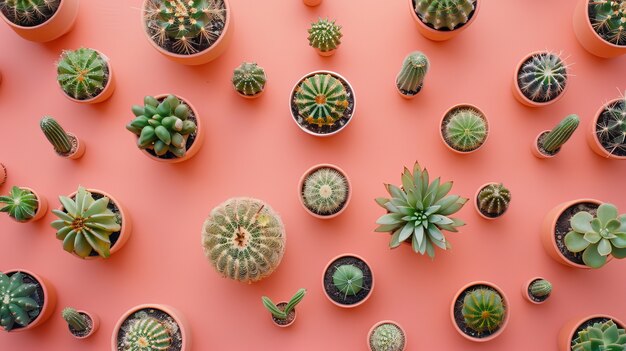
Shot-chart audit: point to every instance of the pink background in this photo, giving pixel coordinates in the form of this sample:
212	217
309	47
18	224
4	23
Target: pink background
252	148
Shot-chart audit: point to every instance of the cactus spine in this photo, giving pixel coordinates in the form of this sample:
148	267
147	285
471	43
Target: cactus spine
249	79
542	77
387	337
28	13
553	141
611	127
494	199
444	14
348	279
56	135
325	35
82	73
411	78
147	334
465	129
609	20
483	310
74	319
325	191
540	288
17	307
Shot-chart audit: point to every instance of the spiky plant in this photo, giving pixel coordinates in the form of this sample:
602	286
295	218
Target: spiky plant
74	319
82	73
444	14
553	141
249	79
611	127
348	279
465	129
284	313
540	288
321	99
147	334
601	336
609	20
20	204
85	224
17	306
325	191
387	337
325	35
411	77
56	135
244	239
419	212
493	200
542	77
28	13
483	310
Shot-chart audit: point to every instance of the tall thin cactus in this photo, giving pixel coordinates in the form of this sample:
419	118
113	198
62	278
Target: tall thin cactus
411	78
553	141
56	135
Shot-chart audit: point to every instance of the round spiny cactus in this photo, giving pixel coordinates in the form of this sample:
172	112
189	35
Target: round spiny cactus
348	279
387	337
325	191
147	334
493	200
465	129
411	77
444	14
325	35
321	99
74	319
553	141
244	239
82	73
17	307
542	77
249	79
611	127
56	135
483	310
540	288
609	20
28	13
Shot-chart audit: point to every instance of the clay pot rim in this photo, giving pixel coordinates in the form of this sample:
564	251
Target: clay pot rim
385	321
95	323
593	138
518	91
313	169
106	87
458	106
369	294
583	320
537	151
12	24
255	95
590	27
288	324
47	296
476	201
526	294
456	30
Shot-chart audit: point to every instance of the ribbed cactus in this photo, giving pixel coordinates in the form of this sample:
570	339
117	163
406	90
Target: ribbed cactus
611	127
601	336
56	135
348	279
444	14
147	334
20	204
553	141
325	191
465	129
249	79
493	200
540	288
17	306
74	319
609	20
542	77
483	310
28	13
387	337
244	239
82	73
325	35
411	78
284	313
321	99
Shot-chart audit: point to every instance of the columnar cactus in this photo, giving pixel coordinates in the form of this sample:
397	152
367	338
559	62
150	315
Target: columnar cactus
147	334
325	191
28	13
82	73
609	20
553	141
17	307
543	77
284	313
56	135
348	279
444	14
321	99
387	337
493	200
244	239
483	310
611	127
411	78
20	204
600	337
540	288
325	35
465	129
74	319
249	79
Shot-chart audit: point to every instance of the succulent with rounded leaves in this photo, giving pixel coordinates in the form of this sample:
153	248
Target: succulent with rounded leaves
483	310
325	191
321	99
249	79
611	127
493	200
82	73
465	129
284	313
540	288
604	336
17	307
598	237
56	135
444	14
147	334
20	204
542	77
325	35
411	77
348	279
609	20
28	13
74	319
553	141
387	337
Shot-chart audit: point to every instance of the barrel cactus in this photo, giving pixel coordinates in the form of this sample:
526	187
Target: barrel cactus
147	334
244	239
325	191
249	79
444	14
465	129
411	78
321	99
609	20
29	13
17	306
611	127
55	134
552	142
493	200
325	35
74	319
600	336
387	337
483	310
348	279
542	77
540	288
20	204
82	73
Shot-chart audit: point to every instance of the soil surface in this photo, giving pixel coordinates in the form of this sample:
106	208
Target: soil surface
173	328
540	145
445	29
190	139
460	320
536	298
82	334
38	296
604	120
290	317
563	227
410	92
337	295
445	120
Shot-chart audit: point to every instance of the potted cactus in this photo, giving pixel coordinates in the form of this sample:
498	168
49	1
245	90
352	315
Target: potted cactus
151	327
599	26
410	79
3	174
65	144
322	103
168	128
592	333
92	224
348	280
325	36
249	80
188	32
249	251
440	20
325	191
284	313
492	200
81	324
39	20
480	311
537	290
85	76
607	135
549	142
23	204
540	79
386	336
464	128
27	301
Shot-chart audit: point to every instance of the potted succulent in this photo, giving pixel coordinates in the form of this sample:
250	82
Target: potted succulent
386	336
23	204
92	224
348	280
537	290
540	79
39	20
492	200
325	191
27	301
443	19
249	251
464	128
480	311
249	80
549	142
3	174
312	2
419	223
410	79
151	327
599	26
284	313
65	144
593	333
168	128
322	103
607	135
188	32
85	76
325	36
81	324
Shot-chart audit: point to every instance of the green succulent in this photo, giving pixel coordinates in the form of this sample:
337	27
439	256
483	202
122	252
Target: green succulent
444	14
411	77
325	191
483	310
466	129
605	336
249	79
284	313
493	200
540	288
610	20
82	73
543	77
554	140
56	135
20	204
74	319
147	334
321	99
325	35
611	127
387	337
29	13
17	307
348	279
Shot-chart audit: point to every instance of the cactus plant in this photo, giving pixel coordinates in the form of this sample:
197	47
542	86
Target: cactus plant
55	134
85	224
325	35
600	336
249	79
147	334
552	142
609	20
611	127
321	99
82	73
17	306
75	320
411	78
244	239
284	313
348	279
483	310
444	14
493	200
540	288
20	204
542	77
465	129
387	337
29	13
325	191
598	237
162	126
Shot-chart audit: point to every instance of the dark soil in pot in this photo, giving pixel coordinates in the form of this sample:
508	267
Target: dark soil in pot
82	334
460	320
38	296
469	18
341	297
542	136
40	17
563	227
290	317
451	113
190	139
603	120
410	93
533	297
173	328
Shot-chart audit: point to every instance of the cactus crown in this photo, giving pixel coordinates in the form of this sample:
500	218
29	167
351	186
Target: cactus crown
493	200
542	77
465	129
17	307
598	237
82	73
249	79
611	127
162	126
387	337
74	319
56	135
321	99
85	224
444	14
147	334
348	279
28	13
411	77
553	141
609	20
540	288
483	310
325	35
284	313
325	191
20	204
599	337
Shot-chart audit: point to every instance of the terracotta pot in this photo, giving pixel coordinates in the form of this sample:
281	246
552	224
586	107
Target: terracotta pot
57	25
205	56
593	141
476	202
312	2
42	208
443	119
517	92
534	148
325	53
439	35
3	174
76	153
505	302
95	323
49	300
301	186
328	266
371	331
171	311
588	38
284	303
566	333
105	94
526	294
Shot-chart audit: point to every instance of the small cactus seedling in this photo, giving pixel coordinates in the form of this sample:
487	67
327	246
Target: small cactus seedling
82	73
551	143
147	334
411	78
29	13
542	77
17	306
283	313
20	204
483	310
348	279
387	337
325	36
55	134
540	288
611	127
321	99
249	79
609	20
602	336
465	129
76	321
444	14
325	191
493	200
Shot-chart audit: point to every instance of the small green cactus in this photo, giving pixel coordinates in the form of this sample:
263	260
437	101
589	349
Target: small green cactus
17	306
321	99
387	337
483	310
147	334
348	279
325	191
540	288
411	78
611	127
82	73
465	129
29	13
493	200
542	77
325	35
20	204
74	319
444	14
56	135
553	141
609	20
249	79
283	314
606	336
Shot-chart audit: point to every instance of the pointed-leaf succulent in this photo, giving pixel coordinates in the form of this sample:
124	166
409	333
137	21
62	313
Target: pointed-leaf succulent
284	313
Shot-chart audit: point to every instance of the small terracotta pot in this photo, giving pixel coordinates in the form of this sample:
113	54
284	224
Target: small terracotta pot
534	148
476	202
251	97
76	153
443	118
301	186
42	208
328	266
95	323
371	331
325	53
517	92
526	294
105	94
3	174
440	35
202	57
57	25
592	139
587	36
566	333
49	300
505	302
284	303
312	2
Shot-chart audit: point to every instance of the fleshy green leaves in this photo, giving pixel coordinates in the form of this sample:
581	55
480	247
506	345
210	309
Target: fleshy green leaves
606	336
20	204
17	305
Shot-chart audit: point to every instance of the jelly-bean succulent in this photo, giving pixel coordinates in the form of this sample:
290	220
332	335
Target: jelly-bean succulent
28	13
540	288
387	337
82	73
493	199
411	77
325	35
147	334
249	79
611	127
601	336
321	99
20	204
609	20
483	310
17	305
284	313
348	279
542	77
444	14
553	141
465	129
325	191
56	135
74	319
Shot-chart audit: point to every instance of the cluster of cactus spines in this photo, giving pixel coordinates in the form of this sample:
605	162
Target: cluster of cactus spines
444	14
284	313
74	319
466	129
411	77
147	334
483	310
600	337
56	135
387	337
86	224
325	190
321	99
543	77
325	35
29	13
82	73
609	20
20	204
494	199
611	127
244	239
162	126
17	307
540	288
348	279
249	79
553	141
